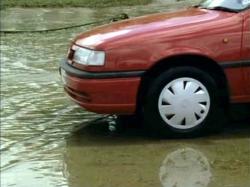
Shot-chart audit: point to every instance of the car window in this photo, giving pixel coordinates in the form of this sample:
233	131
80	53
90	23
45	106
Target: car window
226	5
246	3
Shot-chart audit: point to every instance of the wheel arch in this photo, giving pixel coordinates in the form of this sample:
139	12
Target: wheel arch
198	61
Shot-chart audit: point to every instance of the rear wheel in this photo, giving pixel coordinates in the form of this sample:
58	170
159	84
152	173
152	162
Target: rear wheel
183	101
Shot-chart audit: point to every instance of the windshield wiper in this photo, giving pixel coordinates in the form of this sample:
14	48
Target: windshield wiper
221	8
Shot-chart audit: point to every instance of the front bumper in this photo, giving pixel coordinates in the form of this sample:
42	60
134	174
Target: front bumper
102	92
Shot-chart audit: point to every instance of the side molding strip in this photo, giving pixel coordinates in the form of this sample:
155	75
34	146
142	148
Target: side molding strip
235	64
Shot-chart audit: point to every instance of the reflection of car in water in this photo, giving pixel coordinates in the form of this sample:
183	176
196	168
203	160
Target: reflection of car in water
185	168
94	160
93	167
178	70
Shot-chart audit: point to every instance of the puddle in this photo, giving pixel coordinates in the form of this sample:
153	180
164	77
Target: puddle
94	158
38	143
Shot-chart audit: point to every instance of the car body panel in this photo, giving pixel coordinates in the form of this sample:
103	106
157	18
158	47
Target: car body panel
189	31
106	96
139	44
246	48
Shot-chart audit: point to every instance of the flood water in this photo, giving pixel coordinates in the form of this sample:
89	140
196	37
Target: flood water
45	140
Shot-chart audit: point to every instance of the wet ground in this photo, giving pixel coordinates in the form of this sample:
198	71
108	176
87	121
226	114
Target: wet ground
45	140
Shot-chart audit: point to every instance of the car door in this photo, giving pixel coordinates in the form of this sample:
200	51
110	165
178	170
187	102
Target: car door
246	49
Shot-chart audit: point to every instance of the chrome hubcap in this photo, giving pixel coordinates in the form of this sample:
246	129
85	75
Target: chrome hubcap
184	103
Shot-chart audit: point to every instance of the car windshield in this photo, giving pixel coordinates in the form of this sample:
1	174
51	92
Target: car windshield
226	5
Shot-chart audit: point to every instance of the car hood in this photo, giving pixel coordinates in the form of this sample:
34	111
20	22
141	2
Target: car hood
115	33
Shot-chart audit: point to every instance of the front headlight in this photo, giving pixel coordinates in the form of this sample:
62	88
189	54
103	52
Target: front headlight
88	57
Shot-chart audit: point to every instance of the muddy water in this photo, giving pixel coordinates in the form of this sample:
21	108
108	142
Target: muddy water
43	139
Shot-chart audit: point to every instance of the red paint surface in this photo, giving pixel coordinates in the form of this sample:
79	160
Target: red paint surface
140	43
246	48
104	95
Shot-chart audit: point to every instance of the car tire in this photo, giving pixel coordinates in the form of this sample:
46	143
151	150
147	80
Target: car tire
183	102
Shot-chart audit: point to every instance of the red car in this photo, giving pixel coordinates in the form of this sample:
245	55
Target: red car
179	70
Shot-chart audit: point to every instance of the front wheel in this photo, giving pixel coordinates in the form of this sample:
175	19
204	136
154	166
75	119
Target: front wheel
183	101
